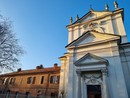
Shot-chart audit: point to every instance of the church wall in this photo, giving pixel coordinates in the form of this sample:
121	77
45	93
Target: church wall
119	65
120	27
99	49
76	35
126	72
64	75
70	35
81	30
125	60
109	25
67	75
115	75
70	88
114	22
120	24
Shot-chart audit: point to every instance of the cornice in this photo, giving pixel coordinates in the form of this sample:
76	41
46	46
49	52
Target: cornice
98	18
31	73
93	43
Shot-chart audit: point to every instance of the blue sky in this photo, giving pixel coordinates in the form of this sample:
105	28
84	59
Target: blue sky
41	25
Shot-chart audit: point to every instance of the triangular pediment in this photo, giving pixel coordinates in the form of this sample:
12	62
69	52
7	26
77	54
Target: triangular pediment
93	37
92	15
88	17
90	59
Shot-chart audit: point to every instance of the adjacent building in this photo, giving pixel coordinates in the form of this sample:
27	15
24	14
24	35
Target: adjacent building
34	83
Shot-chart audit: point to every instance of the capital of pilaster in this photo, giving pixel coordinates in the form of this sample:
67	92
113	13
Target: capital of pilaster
78	73
104	71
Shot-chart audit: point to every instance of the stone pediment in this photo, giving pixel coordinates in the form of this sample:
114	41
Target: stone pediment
90	59
88	17
93	37
92	14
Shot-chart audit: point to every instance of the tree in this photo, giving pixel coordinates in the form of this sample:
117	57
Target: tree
10	50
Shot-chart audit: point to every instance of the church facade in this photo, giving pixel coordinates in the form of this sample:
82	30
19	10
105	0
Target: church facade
97	62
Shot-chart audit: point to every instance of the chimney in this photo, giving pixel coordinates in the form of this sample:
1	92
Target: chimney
19	69
39	67
55	65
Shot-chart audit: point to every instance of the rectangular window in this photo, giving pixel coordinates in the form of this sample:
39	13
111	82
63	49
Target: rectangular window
34	78
42	79
54	79
6	80
29	80
10	80
13	81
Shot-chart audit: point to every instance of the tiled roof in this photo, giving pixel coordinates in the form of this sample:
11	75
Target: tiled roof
33	71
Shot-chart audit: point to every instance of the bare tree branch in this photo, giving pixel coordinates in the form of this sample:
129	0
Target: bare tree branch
10	50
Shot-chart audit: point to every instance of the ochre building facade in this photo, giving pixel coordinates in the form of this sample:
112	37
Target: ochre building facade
34	83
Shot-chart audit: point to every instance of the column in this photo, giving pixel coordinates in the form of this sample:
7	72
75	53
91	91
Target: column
105	88
79	84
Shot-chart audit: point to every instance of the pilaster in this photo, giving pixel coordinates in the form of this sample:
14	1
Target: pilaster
104	78
79	84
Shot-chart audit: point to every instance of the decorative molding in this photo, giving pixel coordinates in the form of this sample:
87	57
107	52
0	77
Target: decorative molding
95	60
93	78
78	73
93	81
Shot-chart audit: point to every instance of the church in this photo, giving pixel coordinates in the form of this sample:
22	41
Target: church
97	61
96	64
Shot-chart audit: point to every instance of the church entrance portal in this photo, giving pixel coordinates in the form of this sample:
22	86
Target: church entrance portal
94	91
